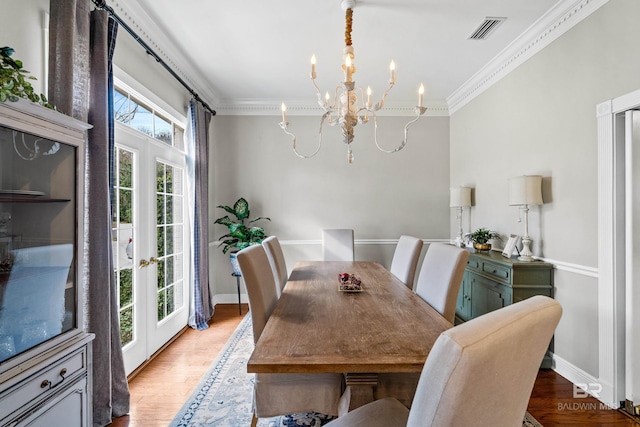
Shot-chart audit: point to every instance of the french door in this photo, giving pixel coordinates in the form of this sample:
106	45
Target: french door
149	243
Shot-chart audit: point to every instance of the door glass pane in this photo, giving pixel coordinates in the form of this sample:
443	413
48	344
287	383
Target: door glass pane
169	238
142	118
178	138
163	131
122	108
122	241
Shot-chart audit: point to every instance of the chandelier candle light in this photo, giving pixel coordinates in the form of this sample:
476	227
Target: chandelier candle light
525	190
346	110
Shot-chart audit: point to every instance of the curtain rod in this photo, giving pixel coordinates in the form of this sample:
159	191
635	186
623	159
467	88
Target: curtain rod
102	4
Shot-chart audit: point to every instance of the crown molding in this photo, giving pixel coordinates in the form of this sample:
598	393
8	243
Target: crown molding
557	21
255	107
131	12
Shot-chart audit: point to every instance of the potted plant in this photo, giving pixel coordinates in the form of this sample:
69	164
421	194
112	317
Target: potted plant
480	239
14	81
241	234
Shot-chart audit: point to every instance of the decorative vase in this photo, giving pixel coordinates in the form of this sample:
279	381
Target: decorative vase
235	265
482	247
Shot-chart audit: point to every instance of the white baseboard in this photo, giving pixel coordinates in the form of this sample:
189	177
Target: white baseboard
229	299
578	376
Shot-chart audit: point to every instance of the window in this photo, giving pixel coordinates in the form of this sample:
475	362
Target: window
136	114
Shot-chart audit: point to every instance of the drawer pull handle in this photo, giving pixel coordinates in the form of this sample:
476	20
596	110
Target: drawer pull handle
495	271
50	385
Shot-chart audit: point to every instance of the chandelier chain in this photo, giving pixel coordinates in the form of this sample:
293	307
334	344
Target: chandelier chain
349	22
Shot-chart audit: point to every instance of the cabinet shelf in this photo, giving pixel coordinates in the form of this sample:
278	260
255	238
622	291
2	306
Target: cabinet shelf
29	199
27	196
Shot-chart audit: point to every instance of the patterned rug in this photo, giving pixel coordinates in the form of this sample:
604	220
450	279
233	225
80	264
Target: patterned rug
223	397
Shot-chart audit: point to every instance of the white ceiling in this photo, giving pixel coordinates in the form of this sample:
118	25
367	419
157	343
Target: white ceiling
256	53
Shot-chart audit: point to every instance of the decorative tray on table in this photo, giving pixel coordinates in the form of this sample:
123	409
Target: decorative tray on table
349	283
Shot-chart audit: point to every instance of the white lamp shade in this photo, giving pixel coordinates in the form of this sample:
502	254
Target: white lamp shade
460	197
525	190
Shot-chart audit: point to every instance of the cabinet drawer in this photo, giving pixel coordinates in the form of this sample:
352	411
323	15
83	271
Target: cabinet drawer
65	408
44	382
498	272
473	264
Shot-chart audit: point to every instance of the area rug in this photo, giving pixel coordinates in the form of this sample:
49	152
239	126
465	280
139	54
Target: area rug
224	395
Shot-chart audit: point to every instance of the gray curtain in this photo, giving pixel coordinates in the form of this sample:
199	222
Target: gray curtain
197	147
81	48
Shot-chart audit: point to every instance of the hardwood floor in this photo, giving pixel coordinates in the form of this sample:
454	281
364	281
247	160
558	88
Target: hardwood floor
160	388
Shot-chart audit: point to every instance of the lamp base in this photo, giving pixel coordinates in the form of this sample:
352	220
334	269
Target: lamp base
459	242
526	254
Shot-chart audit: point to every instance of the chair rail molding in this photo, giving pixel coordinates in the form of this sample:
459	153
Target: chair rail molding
582	270
306	242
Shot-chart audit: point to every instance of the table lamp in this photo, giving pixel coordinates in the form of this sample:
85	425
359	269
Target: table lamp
525	190
460	199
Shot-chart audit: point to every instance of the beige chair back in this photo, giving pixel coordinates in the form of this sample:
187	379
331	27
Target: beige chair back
481	373
337	245
281	394
273	249
440	277
261	287
405	259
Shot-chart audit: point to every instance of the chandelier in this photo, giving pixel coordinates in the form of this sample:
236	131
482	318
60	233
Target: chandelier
346	110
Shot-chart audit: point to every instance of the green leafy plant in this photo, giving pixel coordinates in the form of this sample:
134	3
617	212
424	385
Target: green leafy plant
14	81
481	236
240	235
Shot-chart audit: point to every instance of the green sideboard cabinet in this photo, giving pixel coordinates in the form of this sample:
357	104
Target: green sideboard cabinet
492	281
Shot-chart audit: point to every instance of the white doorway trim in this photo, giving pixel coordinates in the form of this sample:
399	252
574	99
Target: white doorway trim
611	245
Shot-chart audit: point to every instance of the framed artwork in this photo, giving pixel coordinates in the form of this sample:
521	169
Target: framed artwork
513	241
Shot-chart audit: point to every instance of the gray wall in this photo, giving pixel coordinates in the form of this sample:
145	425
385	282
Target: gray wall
133	60
380	196
541	119
23	29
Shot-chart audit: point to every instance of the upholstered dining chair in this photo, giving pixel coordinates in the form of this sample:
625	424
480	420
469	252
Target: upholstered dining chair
405	259
281	394
276	259
479	373
337	245
440	277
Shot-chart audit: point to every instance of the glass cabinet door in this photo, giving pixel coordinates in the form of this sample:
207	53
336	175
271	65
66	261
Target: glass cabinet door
38	231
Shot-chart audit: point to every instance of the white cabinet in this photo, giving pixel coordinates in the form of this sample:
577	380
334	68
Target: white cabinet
54	391
45	354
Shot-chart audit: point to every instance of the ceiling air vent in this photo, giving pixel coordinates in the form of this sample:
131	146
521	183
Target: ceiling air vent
487	27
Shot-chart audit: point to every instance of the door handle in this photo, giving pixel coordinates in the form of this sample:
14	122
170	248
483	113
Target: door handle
145	263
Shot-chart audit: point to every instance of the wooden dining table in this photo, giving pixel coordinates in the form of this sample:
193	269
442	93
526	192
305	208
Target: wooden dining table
378	338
